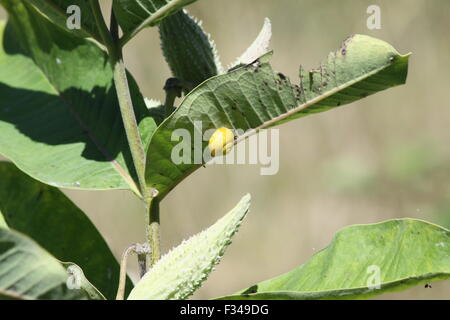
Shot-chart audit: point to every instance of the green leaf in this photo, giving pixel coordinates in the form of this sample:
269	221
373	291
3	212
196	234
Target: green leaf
403	253
189	51
45	214
254	97
28	272
59	115
133	16
57	12
180	272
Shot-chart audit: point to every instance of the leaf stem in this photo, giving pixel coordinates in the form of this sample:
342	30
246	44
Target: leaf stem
130	124
173	90
123	272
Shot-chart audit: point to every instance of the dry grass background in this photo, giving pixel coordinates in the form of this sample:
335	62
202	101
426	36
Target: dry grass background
383	157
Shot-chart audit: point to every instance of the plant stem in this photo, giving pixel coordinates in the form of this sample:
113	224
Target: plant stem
142	263
124	97
130	124
114	27
132	131
171	95
153	231
123	272
174	88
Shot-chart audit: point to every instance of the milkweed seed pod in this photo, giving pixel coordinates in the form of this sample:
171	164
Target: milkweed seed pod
183	269
189	51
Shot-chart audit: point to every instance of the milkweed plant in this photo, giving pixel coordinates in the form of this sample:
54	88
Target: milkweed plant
72	116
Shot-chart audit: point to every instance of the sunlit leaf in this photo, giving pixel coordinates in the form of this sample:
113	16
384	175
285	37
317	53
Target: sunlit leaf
364	261
254	97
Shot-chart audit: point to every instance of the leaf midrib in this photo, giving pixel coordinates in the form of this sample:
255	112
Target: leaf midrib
119	169
351	291
280	117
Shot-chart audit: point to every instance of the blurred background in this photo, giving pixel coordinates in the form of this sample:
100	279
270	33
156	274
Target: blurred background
386	156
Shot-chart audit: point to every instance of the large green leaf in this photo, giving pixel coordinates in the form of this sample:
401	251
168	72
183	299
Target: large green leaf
28	272
254	97
45	214
133	16
56	11
182	271
399	253
59	115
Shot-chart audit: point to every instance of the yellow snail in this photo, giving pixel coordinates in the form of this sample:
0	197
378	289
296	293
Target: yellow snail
221	141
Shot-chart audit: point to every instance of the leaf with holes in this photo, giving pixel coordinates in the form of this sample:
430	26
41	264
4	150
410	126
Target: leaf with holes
59	115
254	97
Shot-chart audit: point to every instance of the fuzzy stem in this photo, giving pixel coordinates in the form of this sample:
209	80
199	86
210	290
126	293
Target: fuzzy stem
124	98
131	127
123	272
130	124
153	232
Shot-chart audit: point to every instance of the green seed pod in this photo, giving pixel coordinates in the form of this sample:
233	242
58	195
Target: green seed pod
182	271
189	51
